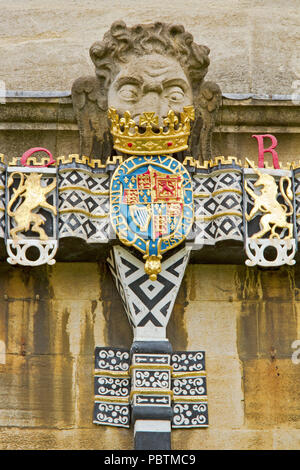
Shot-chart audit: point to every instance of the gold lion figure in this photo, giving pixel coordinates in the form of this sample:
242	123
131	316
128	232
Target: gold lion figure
275	213
34	196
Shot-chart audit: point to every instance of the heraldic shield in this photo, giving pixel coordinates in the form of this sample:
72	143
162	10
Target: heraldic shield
151	206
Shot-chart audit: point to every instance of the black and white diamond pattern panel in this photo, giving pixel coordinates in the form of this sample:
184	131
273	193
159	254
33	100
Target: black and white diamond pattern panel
114	269
148	303
84	205
217	180
2	200
226	227
82	226
79	177
218	203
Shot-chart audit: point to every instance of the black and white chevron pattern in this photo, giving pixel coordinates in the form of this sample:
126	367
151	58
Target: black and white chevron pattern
84	205
148	304
218	206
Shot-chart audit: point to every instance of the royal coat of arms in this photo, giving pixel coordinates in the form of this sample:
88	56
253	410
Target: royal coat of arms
152	206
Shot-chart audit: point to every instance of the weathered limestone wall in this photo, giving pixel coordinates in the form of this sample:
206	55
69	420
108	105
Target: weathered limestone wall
50	321
254	44
245	319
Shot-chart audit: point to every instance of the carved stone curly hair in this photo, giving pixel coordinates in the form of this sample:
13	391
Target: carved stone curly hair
167	39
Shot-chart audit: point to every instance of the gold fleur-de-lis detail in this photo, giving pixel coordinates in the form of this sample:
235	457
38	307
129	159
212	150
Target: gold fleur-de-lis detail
126	120
171	120
190	112
148	119
187	115
113	115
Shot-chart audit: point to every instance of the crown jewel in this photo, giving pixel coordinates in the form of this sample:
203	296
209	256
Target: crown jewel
151	139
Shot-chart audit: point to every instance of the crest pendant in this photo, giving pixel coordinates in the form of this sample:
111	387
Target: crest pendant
151	206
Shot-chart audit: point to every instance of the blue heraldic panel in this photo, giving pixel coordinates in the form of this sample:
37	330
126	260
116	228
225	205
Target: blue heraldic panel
152	203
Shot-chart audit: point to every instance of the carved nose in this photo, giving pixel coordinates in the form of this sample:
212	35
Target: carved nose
152	88
151	102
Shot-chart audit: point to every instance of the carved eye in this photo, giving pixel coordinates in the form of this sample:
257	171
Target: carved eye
128	92
175	94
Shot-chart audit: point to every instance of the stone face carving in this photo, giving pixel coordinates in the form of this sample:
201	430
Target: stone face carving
154	67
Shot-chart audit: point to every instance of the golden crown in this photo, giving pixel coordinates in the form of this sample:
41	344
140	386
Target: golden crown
148	138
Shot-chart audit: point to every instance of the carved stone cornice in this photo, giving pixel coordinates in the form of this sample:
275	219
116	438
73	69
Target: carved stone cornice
235	115
23	118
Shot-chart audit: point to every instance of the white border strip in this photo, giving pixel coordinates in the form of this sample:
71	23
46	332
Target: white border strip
152	425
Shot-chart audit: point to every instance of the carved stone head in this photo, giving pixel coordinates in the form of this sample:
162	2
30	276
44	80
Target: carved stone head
154	67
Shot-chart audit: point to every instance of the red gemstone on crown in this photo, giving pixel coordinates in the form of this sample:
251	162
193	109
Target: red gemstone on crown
169	144
129	144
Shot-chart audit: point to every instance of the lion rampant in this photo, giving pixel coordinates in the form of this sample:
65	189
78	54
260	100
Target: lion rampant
34	196
275	213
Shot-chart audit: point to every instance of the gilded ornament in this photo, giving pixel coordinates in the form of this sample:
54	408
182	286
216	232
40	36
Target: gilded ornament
148	138
274	214
154	213
34	196
153	266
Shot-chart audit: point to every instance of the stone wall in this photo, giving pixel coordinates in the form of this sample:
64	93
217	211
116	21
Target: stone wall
245	319
254	44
